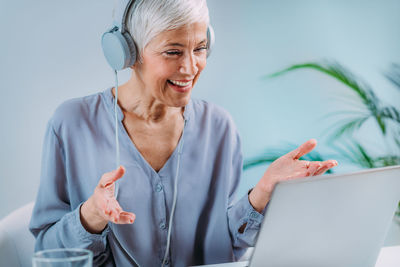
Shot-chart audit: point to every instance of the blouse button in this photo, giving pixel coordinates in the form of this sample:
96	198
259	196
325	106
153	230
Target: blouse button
159	188
162	226
253	215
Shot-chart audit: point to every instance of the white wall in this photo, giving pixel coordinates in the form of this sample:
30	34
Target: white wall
50	51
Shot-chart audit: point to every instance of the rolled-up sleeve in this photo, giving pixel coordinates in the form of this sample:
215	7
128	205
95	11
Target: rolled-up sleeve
244	221
54	222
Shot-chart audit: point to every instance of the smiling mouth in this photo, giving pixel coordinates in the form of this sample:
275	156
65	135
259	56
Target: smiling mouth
180	86
180	83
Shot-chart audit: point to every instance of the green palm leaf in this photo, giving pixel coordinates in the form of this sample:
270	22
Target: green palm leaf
393	75
398	210
362	89
396	138
349	127
388	160
341	74
391	113
355	153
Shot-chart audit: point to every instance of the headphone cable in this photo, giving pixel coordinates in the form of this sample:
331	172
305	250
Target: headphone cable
175	196
117	160
117	154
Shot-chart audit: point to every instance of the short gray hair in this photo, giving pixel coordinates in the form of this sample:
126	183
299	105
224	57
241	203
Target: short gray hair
148	18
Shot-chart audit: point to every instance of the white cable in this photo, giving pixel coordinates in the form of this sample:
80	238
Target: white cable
117	161
175	197
117	157
116	122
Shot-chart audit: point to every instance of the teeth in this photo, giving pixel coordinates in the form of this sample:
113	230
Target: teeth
180	83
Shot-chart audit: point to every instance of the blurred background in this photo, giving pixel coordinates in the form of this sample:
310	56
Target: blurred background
50	52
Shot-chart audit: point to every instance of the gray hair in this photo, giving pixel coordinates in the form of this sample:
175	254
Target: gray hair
148	18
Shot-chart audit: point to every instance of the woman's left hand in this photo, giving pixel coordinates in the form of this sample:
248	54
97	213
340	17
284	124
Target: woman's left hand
287	167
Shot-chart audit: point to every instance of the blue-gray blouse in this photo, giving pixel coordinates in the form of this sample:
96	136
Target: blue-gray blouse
79	147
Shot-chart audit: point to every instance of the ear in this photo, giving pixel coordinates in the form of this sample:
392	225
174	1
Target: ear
135	65
138	63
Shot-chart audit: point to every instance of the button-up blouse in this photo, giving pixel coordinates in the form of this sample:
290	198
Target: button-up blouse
79	147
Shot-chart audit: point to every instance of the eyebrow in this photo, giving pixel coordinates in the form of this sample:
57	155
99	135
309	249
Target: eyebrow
181	45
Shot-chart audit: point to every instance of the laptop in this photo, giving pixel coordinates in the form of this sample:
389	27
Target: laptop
332	220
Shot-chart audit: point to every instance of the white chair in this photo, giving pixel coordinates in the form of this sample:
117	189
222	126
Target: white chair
16	241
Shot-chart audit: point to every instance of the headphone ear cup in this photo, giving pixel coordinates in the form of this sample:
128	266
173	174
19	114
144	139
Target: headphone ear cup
119	49
115	49
132	48
210	39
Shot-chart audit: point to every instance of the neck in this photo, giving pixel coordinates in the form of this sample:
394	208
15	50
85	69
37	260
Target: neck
135	100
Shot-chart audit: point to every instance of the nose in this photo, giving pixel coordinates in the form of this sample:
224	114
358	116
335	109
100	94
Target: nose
189	64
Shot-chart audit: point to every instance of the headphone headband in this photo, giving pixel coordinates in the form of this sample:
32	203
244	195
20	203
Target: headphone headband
124	17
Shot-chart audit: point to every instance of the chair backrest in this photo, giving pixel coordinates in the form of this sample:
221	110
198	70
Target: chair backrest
16	241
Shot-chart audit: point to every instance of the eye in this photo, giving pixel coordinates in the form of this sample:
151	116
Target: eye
173	53
201	49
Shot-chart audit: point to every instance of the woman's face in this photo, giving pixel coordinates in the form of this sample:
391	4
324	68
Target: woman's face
172	63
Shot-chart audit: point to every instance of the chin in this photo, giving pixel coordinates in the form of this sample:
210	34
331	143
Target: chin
174	99
177	97
181	102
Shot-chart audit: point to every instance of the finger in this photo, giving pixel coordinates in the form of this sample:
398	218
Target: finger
110	177
329	163
126	218
326	166
307	164
111	215
107	213
114	208
321	170
115	214
303	149
314	166
110	208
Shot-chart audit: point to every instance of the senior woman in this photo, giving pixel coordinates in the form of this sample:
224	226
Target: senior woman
165	135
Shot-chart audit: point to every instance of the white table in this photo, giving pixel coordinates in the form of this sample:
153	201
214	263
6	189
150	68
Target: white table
388	257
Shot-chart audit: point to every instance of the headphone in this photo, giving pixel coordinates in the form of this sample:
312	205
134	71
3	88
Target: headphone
119	47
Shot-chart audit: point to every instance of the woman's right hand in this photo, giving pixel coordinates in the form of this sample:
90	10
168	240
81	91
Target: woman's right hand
103	207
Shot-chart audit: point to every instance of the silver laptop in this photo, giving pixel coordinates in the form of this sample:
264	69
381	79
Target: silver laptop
333	220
